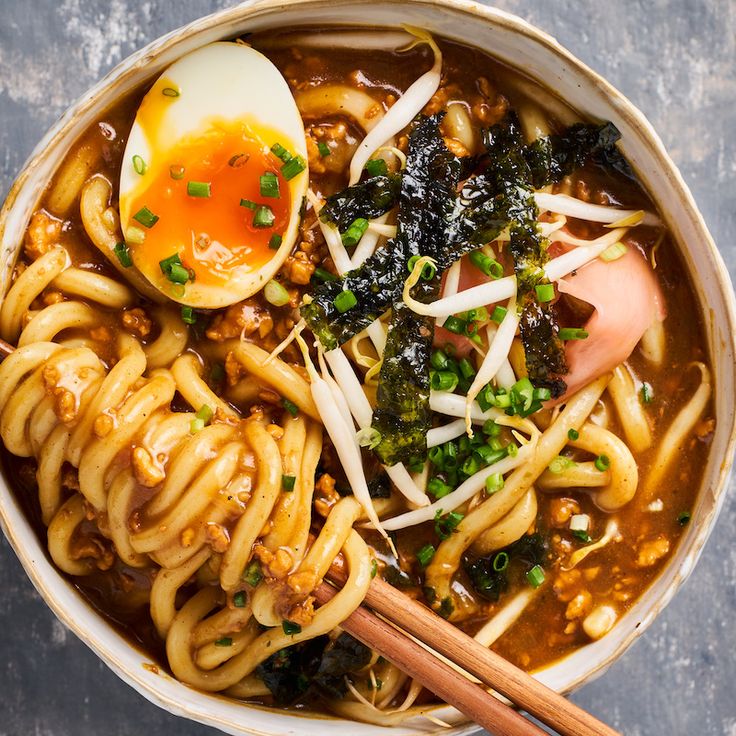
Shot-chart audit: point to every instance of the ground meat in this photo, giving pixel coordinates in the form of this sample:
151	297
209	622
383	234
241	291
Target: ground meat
561	509
147	471
43	234
652	550
242	319
137	322
92	548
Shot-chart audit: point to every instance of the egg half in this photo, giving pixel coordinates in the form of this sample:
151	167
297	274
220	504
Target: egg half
213	177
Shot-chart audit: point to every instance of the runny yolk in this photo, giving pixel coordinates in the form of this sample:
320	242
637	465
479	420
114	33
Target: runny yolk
211	234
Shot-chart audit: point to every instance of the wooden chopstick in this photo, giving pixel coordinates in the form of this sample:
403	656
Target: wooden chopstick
437	676
490	668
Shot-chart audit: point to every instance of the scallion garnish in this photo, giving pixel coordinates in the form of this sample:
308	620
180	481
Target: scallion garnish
466	368
454	325
270	185
560	464
355	232
368	437
425	555
176	171
276	294
293	167
376	167
498	314
199	189
274	242
239	599
439	360
602	463
683	518
225	641
443	380
139	165
613	252
201	419
486	264
170	92
250	204
345	300
174	270
582	535
646	392
444	526
288	482
573	434
145	217
322	275
323	148
122	251
290	406
428	269
436	486
535	576
263	216
545	292
188	316
501	561
290	628
252	574
280	152
572	333
494	483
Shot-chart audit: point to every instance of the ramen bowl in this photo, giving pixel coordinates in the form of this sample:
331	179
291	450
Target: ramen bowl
519	45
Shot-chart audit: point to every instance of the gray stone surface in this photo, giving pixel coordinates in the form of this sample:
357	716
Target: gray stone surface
675	60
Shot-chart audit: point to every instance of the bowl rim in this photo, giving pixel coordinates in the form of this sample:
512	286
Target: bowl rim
472	10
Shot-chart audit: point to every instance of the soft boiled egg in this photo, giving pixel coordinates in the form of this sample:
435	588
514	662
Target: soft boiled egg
213	177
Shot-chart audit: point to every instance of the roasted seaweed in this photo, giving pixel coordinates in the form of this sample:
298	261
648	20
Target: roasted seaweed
370	198
402	415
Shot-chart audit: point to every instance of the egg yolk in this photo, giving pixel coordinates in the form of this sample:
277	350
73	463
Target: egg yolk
221	203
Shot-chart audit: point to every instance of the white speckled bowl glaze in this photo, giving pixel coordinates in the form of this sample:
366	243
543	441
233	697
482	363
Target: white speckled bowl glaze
539	56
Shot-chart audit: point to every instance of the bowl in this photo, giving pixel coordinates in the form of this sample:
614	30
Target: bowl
513	41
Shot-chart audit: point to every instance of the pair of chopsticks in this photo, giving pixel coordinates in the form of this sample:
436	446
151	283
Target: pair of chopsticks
395	625
392	629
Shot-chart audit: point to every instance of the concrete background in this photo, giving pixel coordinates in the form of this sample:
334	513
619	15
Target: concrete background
672	58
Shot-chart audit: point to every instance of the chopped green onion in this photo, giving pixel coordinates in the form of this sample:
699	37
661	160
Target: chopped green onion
288	482
122	251
290	406
454	325
494	483
135	235
491	429
145	217
196	425
374	568
252	574
226	641
425	555
269	183
466	368
613	252
276	294
188	316
323	275
512	449
275	242
238	160
170	92
443	380
323	148
545	292
471	465
602	463
582	535
501	561
376	167
486	264
479	314
439	360
174	270
368	437
436	456
428	269
560	464
176	171
239	599
205	413
263	217
444	526
345	300
535	576
293	167
573	333
355	232
177	290
646	392
250	204
290	628
683	518
573	434
498	314
199	189
437	487
139	165
280	152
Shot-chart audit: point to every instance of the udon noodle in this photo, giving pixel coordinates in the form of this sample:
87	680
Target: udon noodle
198	478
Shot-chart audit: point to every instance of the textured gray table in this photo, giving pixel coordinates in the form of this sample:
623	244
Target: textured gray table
675	60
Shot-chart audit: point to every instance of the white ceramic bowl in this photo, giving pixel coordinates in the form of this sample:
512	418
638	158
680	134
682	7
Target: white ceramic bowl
518	44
